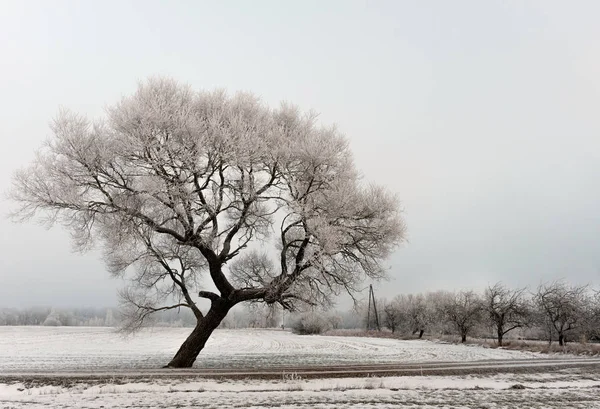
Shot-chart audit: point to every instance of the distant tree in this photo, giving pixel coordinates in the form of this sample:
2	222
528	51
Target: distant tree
310	323
273	316
334	320
563	307
392	316
416	312
180	187
53	319
109	320
506	309
593	327
437	302
353	318
262	316
8	317
464	310
420	313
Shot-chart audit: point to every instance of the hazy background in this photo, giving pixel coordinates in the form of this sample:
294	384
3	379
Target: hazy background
482	115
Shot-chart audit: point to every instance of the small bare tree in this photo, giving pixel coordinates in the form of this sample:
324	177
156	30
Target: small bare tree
563	307
437	302
505	309
464	310
183	187
392	316
420	313
593	327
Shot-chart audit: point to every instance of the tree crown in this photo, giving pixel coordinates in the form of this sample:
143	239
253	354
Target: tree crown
178	183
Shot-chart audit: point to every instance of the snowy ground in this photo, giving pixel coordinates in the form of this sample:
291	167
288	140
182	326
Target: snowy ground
564	389
51	349
58	353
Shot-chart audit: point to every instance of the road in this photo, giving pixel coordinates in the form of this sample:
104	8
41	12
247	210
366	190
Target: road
311	372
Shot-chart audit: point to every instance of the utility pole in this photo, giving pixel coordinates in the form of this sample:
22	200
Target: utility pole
372	299
369	311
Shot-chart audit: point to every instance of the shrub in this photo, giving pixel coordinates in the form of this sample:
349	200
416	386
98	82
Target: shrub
309	324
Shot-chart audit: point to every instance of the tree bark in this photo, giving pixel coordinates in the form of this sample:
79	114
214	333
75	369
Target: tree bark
191	347
500	335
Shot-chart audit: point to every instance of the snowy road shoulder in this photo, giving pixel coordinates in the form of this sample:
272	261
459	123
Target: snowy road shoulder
564	389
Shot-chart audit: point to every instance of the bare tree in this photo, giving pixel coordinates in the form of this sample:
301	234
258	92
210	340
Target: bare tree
392	316
334	320
417	312
437	302
182	186
506	309
464	310
563	307
420	313
593	327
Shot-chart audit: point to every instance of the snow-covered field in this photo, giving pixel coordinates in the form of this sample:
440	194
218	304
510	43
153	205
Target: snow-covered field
51	349
63	350
563	389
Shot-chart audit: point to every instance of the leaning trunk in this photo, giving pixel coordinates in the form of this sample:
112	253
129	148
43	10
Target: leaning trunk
421	333
189	350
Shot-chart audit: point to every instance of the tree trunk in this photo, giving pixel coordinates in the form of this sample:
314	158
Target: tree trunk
191	347
500	335
421	334
463	338
561	338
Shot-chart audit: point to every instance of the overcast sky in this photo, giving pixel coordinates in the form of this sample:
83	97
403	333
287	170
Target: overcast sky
483	116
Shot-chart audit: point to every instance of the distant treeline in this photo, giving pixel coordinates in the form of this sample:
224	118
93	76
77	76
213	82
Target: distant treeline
554	311
90	317
83	317
242	316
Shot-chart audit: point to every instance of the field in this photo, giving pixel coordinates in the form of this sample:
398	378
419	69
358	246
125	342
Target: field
63	367
43	349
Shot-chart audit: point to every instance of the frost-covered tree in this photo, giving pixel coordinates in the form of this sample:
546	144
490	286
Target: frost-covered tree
464	310
593	327
506	309
392	315
109	320
185	188
564	308
420	313
310	323
53	319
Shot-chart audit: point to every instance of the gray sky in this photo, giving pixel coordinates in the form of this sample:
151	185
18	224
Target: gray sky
484	116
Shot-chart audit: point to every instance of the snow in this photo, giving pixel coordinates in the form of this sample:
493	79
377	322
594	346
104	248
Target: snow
50	349
61	350
558	390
